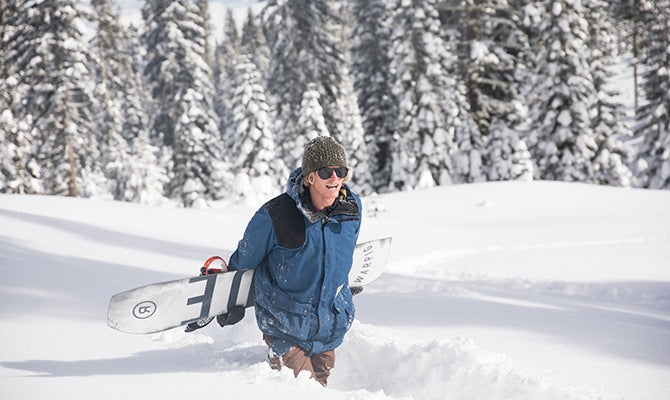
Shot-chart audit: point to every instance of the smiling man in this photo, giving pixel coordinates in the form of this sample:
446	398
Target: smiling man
301	244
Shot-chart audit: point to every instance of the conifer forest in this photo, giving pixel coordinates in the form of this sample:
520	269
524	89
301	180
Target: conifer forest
421	93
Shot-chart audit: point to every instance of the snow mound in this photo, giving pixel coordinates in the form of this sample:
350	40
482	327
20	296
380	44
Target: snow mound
443	368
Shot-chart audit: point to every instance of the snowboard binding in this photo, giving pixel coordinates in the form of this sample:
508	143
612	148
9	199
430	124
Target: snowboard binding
213	265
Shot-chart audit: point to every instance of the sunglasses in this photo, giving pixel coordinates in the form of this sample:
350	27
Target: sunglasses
327	172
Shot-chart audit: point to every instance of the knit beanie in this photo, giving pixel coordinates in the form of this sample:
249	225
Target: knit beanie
322	151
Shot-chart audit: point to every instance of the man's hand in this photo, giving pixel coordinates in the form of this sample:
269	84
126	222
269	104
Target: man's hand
356	290
233	316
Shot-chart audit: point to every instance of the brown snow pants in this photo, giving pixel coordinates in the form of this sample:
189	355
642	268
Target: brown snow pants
297	359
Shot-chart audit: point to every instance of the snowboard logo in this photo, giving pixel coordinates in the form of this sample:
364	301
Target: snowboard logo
368	257
144	309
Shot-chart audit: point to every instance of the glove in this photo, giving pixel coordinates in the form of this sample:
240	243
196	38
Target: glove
356	290
233	316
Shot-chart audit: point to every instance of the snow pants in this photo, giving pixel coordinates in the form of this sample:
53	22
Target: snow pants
297	359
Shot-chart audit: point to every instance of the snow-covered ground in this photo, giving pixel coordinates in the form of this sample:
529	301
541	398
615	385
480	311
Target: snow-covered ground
532	290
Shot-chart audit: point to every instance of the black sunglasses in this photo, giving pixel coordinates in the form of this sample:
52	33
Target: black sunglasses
327	172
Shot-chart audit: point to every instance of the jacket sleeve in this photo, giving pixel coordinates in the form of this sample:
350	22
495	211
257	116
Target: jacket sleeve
257	242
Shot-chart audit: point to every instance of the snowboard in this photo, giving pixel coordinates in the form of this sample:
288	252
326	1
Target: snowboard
161	306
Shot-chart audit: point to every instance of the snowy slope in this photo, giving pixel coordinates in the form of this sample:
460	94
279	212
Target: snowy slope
494	291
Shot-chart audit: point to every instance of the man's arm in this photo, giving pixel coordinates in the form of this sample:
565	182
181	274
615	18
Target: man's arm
258	240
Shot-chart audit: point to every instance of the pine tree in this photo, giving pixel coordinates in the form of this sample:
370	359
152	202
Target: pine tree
203	6
495	55
372	82
430	103
630	28
48	59
19	171
311	123
260	174
225	59
9	178
469	158
509	157
124	123
561	138
653	117
145	177
491	48
608	127
254	45
7	172
352	137
229	48
306	48
182	87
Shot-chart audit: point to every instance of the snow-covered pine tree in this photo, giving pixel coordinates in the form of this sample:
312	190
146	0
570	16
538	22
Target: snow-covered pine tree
203	5
305	48
352	138
254	45
19	171
653	117
112	72
469	158
293	29
230	45
8	10
7	171
182	87
349	129
259	173
50	63
133	174
146	177
225	57
372	82
311	124
509	158
630	27
10	181
609	115
430	103
493	58
561	138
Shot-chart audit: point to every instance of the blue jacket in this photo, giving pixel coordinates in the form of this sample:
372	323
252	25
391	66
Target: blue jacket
302	259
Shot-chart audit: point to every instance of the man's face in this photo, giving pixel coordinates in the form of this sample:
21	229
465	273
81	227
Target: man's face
325	191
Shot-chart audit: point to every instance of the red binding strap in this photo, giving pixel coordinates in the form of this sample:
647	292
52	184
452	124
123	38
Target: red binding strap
218	267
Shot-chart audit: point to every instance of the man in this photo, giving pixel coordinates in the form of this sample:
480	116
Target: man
301	244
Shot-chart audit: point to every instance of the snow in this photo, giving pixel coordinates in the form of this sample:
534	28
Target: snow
514	290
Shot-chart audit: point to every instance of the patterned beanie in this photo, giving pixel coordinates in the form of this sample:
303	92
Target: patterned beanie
320	152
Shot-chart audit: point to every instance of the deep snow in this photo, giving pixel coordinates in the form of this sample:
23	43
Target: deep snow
537	290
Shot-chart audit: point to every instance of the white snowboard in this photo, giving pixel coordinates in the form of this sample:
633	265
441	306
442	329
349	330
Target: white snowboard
161	306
